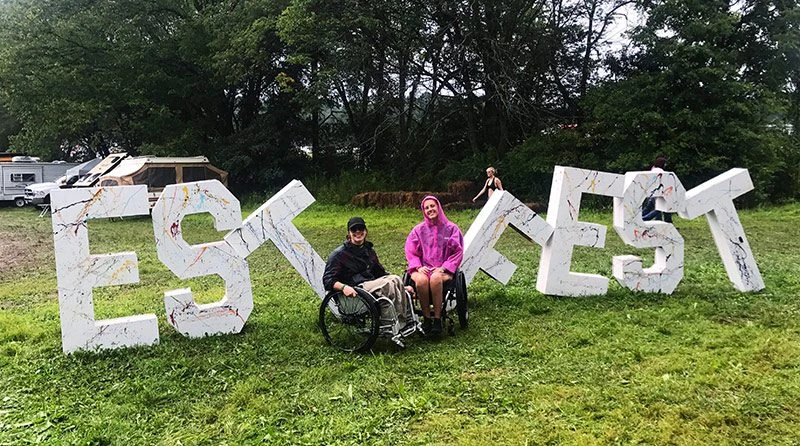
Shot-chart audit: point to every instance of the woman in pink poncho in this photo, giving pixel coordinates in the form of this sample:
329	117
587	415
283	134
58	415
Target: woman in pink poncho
434	250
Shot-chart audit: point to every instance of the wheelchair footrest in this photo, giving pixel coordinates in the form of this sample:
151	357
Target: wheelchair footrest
396	340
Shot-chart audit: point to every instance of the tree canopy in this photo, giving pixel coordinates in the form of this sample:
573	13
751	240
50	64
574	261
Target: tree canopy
419	93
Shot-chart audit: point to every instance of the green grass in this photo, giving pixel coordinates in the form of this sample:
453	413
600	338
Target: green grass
705	365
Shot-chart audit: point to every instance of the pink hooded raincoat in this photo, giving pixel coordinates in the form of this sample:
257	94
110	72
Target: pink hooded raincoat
436	243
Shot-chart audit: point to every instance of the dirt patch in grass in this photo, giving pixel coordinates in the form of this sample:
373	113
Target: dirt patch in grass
22	248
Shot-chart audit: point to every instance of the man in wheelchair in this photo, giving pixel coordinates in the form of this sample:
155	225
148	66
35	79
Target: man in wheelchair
355	264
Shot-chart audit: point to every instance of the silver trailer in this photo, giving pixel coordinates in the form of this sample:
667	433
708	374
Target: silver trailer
15	176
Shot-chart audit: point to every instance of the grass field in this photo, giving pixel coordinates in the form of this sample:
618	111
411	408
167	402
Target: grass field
705	365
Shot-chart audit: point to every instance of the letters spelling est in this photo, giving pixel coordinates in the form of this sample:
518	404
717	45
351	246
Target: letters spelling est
79	272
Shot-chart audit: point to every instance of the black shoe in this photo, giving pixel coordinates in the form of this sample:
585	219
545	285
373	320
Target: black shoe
436	330
426	325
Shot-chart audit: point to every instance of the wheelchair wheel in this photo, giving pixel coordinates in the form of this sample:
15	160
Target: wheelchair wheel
462	305
355	327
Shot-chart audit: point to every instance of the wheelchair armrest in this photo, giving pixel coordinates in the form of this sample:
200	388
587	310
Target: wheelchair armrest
407	280
359	290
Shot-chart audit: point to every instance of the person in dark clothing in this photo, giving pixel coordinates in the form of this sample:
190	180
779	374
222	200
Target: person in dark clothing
355	263
492	184
649	211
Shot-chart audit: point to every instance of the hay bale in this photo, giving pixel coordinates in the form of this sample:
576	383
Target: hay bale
402	199
459	205
463	190
447	197
453	199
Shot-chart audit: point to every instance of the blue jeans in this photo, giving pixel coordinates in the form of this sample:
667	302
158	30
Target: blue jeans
649	211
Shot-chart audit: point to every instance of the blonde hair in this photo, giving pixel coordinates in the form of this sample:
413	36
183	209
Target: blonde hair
494	171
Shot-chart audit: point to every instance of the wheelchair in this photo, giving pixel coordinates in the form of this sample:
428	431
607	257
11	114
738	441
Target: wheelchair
454	299
353	324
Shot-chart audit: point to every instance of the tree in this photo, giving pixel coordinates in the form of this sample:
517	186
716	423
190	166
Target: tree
578	33
76	72
694	98
361	76
8	127
163	77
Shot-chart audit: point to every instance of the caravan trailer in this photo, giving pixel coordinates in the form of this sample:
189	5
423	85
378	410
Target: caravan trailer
21	172
158	172
39	194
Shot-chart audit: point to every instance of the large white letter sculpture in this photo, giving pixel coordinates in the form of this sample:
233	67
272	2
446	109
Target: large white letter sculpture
229	314
78	271
500	211
714	198
273	221
667	271
569	184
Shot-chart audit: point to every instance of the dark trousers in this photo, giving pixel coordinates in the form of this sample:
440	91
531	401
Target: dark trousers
649	211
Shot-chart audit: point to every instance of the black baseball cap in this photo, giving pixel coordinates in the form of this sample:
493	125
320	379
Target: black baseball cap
355	221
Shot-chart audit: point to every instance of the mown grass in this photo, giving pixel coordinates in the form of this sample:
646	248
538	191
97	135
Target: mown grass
704	365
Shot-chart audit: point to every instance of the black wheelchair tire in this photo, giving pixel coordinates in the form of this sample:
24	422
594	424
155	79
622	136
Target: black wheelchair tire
357	329
462	303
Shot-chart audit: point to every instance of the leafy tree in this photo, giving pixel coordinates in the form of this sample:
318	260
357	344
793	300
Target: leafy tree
697	102
161	77
579	40
417	92
692	94
8	127
360	69
420	83
69	70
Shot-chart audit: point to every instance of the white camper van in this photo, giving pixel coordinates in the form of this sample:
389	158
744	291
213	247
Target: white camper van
21	172
85	175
